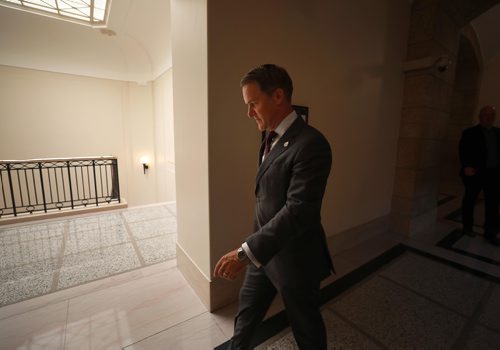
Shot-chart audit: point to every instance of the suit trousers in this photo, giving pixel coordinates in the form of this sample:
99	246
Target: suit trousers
301	304
489	181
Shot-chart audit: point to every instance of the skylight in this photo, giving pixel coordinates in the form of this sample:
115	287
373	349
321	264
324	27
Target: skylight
89	12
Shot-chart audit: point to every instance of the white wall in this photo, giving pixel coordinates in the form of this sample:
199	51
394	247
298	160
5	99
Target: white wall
164	136
53	115
47	115
490	86
139	139
189	59
346	62
345	59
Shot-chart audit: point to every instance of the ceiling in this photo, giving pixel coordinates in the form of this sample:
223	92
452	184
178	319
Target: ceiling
140	51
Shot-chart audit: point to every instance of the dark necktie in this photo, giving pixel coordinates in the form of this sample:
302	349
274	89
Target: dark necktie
269	140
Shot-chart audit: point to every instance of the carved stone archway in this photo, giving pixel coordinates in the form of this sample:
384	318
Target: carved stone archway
462	112
434	39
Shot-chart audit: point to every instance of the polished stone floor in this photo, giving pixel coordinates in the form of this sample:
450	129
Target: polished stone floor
473	246
417	302
47	256
477	245
414	303
456	215
411	302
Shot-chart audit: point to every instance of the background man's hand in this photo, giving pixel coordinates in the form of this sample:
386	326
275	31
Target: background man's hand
229	266
469	171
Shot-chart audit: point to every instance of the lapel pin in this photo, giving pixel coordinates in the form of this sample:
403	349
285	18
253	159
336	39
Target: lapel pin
285	144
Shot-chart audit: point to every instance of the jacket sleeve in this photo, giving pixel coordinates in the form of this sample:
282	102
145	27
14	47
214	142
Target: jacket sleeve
464	149
301	211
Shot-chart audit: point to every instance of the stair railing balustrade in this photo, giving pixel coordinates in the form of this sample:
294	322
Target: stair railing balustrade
44	185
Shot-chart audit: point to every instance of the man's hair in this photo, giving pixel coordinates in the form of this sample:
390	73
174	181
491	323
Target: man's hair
487	110
270	77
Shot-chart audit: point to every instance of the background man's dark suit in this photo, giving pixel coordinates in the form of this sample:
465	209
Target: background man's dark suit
288	239
474	153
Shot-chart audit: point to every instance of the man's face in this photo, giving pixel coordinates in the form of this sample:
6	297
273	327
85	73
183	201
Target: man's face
261	106
487	117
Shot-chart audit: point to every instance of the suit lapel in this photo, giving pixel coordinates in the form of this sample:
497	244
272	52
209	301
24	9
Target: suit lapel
281	146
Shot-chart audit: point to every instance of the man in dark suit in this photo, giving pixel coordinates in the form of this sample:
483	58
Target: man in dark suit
287	251
479	150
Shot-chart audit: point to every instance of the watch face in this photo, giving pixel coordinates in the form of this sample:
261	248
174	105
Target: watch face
241	254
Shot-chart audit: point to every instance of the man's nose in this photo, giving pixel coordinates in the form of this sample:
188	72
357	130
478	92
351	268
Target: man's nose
250	112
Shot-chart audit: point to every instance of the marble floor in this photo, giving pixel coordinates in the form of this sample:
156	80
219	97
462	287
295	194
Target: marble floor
411	302
456	215
50	255
475	246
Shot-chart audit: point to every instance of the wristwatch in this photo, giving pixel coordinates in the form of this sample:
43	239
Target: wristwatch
241	255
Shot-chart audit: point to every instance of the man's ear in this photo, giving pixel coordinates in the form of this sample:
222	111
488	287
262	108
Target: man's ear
279	96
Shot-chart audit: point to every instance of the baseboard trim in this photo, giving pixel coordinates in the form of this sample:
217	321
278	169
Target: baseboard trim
356	235
196	279
213	293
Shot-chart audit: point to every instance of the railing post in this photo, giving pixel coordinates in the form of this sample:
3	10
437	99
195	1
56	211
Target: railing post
70	187
43	187
3	193
115	168
11	190
95	184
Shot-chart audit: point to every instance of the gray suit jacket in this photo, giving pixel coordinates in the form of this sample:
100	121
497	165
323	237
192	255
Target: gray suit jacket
288	239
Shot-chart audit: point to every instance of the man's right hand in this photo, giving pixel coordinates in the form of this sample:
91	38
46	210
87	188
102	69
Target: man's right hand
469	171
229	266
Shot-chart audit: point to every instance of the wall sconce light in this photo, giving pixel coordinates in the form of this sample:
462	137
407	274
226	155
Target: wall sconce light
145	163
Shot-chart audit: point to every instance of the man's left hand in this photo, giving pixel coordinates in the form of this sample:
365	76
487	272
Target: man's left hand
229	266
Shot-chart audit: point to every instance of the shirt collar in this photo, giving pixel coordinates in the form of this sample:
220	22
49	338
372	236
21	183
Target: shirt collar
285	124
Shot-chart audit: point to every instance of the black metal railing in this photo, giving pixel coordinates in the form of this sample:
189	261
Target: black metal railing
43	185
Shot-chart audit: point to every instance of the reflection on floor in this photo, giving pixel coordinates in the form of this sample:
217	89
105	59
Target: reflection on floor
416	301
47	256
476	247
411	301
456	215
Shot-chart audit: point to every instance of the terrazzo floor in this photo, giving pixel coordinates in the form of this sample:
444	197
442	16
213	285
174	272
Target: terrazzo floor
44	257
414	302
456	215
476	247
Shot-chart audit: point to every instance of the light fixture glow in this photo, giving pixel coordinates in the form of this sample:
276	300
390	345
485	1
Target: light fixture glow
144	160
